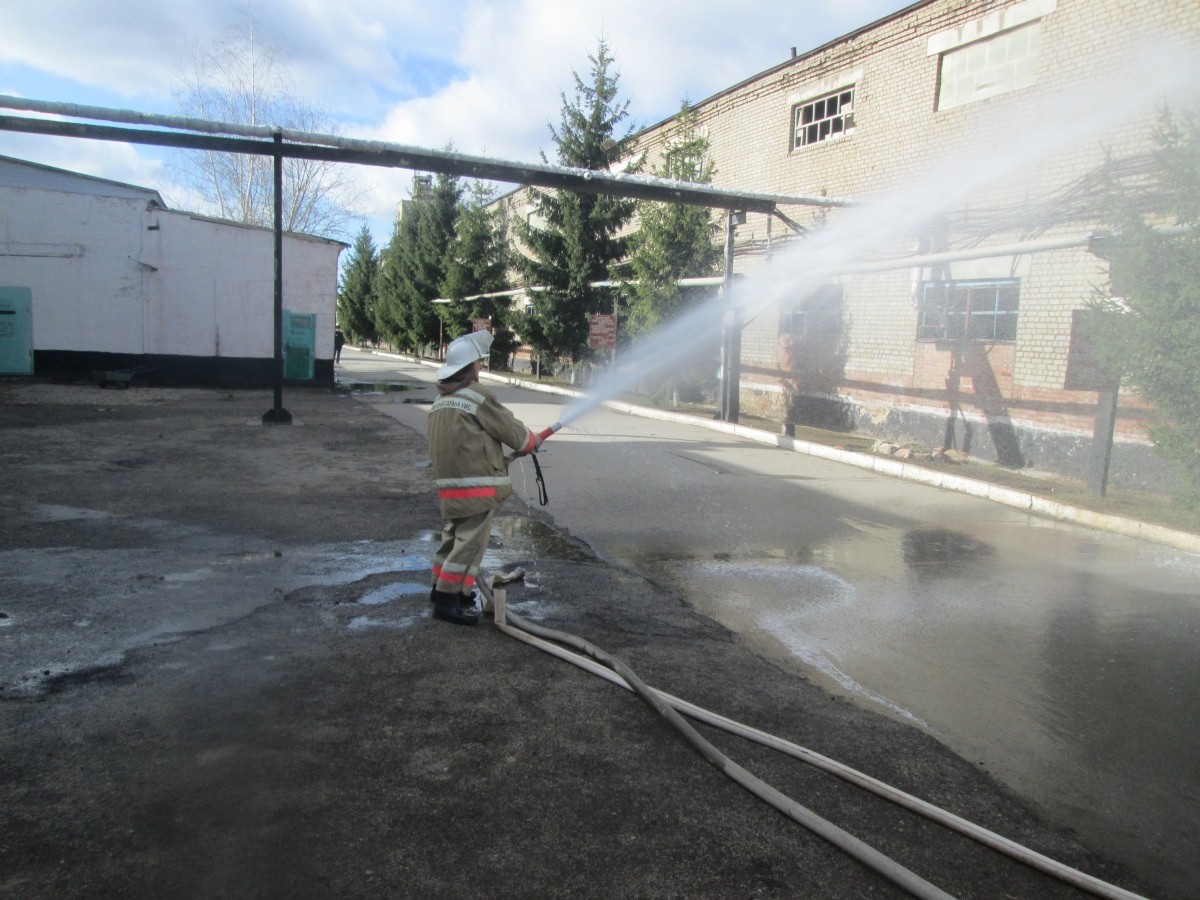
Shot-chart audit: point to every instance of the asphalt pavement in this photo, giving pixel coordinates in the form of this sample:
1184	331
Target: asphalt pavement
220	678
1055	656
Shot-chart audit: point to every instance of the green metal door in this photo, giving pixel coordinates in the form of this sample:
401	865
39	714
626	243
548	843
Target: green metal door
16	331
299	345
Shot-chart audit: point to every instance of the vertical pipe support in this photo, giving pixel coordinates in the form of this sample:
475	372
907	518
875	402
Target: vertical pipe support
731	334
277	415
1102	441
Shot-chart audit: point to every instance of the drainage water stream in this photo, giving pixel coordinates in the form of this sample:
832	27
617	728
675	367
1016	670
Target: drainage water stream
1083	696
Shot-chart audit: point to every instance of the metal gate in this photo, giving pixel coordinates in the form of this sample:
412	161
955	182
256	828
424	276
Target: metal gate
299	345
16	331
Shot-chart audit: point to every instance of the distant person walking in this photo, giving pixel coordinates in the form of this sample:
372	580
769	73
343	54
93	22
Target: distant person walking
468	430
339	341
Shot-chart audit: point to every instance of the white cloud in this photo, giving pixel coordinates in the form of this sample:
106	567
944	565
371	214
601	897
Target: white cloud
129	48
518	56
114	161
485	75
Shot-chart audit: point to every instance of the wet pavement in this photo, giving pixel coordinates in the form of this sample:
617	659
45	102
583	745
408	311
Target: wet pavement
1036	656
220	676
1062	660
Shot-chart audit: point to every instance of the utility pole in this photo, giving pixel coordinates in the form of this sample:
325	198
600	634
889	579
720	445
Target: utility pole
731	332
277	415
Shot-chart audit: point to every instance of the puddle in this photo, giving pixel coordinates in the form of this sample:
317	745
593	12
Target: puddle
380	387
933	549
545	540
391	592
50	512
366	623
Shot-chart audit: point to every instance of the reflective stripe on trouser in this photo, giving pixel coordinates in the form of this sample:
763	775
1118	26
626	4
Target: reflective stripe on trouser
456	564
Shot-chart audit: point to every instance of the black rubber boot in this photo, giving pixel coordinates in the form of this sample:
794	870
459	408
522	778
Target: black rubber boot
454	608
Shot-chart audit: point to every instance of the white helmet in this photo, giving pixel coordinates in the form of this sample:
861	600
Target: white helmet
465	350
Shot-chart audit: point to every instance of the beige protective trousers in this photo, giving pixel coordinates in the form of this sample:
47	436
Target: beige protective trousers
456	564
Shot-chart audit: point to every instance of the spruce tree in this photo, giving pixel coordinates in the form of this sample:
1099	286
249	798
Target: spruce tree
414	263
1149	330
478	263
674	241
389	290
356	298
578	239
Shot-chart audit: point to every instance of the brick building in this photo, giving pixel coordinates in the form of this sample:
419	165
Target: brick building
939	307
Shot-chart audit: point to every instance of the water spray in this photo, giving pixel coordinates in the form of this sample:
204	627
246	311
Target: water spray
574	410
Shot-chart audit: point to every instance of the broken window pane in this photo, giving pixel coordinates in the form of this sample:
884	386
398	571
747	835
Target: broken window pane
823	118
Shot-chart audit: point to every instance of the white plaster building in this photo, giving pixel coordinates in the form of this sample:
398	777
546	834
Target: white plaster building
99	275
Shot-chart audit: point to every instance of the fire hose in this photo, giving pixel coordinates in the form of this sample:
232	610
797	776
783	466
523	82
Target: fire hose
601	663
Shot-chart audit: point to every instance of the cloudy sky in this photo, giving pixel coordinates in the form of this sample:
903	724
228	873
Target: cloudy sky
484	75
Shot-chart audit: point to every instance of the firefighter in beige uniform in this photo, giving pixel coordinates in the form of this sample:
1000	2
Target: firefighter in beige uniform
468	429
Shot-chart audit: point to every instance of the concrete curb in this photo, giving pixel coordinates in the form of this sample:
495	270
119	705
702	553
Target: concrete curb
1040	506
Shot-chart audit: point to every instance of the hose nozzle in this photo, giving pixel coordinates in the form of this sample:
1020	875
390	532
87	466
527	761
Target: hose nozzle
546	432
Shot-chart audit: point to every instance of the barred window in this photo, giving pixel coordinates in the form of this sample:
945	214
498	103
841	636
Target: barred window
968	310
823	118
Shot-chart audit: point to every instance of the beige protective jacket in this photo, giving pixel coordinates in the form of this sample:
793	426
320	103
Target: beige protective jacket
468	431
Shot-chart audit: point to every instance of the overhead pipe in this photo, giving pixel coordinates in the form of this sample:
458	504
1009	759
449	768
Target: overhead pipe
1093	240
335	148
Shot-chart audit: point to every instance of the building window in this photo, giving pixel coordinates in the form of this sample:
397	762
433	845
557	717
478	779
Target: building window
817	315
996	65
823	118
968	310
793	319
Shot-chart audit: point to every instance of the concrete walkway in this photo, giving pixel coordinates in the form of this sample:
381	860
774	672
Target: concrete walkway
1041	506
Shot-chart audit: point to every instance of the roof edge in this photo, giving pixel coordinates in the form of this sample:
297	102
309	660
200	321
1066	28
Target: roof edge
93	178
849	36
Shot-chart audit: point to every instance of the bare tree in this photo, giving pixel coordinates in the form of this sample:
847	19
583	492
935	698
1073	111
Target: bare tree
241	79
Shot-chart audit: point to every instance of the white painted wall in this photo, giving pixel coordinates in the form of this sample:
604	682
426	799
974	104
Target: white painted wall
79	256
213	293
110	274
